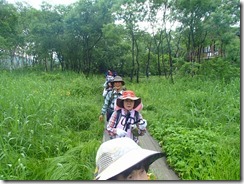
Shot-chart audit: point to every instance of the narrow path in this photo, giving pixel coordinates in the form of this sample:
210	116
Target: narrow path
160	168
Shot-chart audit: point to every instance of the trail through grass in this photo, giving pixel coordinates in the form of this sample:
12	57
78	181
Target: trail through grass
50	130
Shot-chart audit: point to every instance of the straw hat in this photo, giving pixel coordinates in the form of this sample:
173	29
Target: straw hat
117	155
128	95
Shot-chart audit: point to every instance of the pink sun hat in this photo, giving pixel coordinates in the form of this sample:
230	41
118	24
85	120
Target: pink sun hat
128	94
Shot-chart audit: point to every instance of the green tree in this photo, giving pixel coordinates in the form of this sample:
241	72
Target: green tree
192	14
223	25
131	12
9	32
115	49
84	25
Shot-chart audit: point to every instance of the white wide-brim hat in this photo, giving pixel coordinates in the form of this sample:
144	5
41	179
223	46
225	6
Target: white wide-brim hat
119	154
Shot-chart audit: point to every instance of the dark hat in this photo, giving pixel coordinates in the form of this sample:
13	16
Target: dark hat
118	79
128	95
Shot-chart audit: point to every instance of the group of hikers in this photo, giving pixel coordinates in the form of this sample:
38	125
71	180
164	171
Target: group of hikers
121	157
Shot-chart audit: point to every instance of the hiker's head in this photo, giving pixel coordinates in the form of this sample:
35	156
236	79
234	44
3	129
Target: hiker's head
118	82
110	72
122	158
110	83
128	100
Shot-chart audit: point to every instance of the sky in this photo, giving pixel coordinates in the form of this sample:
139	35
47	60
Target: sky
36	3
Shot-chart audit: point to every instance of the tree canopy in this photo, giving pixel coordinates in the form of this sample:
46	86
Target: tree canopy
90	36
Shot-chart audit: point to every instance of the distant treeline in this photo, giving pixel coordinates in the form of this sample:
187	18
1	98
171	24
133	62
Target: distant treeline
86	37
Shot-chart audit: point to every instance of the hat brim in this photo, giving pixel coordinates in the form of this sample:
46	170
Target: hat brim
127	161
120	103
123	83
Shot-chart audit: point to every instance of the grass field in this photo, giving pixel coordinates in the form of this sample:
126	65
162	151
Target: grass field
50	130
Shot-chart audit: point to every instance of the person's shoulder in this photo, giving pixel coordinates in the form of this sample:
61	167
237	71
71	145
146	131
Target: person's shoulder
109	77
110	92
119	110
122	90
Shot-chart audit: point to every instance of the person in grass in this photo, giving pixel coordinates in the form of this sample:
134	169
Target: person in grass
108	82
123	159
127	121
108	86
108	106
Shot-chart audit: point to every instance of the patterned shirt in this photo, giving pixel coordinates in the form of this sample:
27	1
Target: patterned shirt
122	124
110	100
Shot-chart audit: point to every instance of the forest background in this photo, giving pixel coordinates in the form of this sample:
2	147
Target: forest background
53	62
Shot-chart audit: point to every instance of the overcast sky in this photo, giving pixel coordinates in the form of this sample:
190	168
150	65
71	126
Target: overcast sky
36	3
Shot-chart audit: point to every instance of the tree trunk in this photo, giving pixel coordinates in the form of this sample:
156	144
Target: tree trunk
51	61
148	60
158	51
133	56
168	38
137	62
45	64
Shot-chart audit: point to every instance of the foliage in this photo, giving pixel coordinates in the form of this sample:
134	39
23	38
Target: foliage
197	122
76	164
35	126
50	130
220	69
215	68
127	36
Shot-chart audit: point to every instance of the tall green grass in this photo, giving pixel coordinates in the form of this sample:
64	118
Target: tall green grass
50	130
197	122
43	117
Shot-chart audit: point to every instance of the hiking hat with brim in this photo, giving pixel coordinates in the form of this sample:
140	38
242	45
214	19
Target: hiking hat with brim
118	79
119	154
128	95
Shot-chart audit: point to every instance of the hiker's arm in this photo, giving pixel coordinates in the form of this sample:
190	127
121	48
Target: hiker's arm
105	84
142	125
105	106
110	125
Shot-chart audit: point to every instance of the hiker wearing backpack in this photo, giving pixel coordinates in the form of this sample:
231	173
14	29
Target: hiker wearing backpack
108	106
126	121
108	84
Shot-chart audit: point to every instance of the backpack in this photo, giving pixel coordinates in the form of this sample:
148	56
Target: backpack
112	96
109	110
119	114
